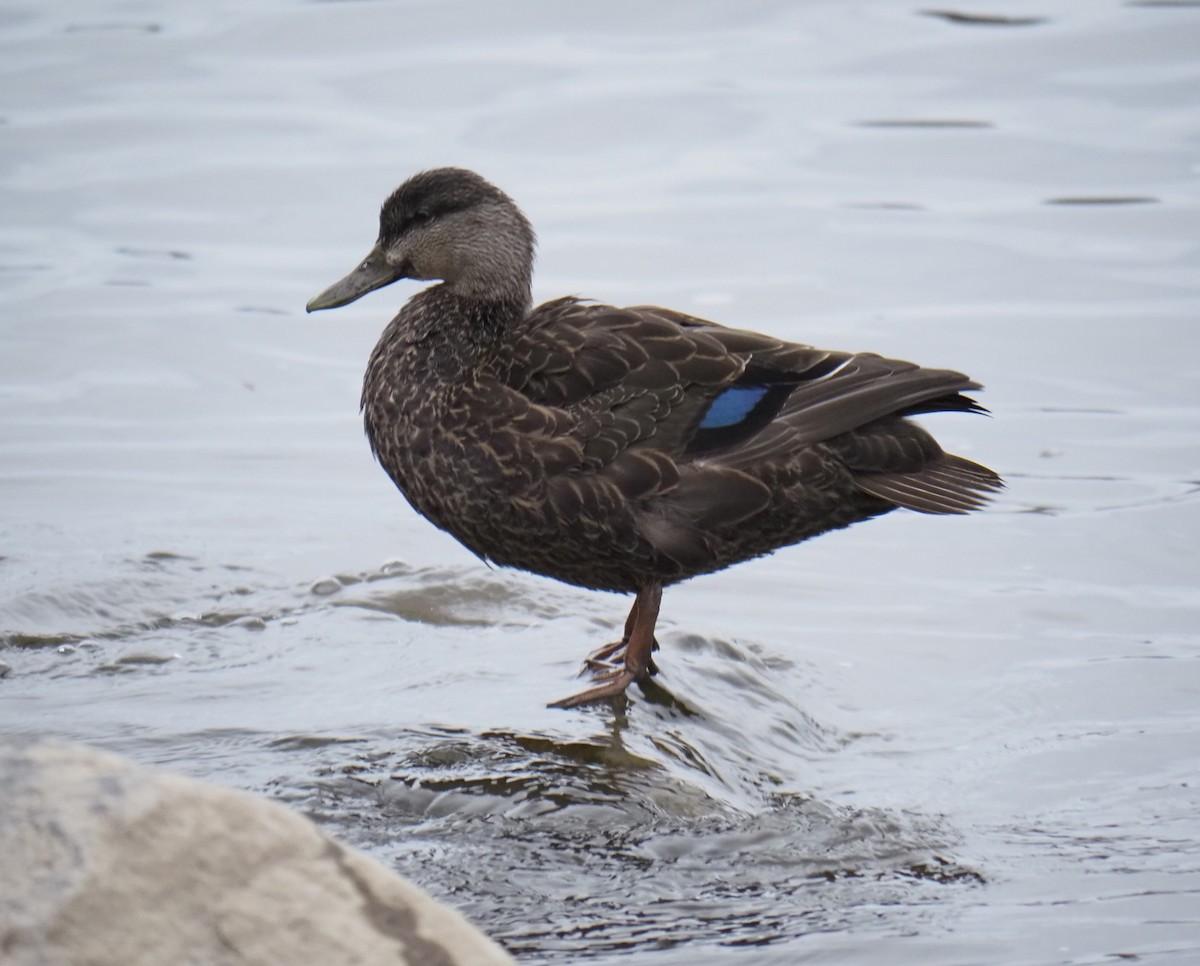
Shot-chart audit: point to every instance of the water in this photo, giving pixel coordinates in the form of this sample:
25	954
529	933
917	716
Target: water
919	740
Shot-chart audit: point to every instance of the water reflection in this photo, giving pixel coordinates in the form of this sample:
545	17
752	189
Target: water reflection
934	123
649	850
676	815
984	19
1102	200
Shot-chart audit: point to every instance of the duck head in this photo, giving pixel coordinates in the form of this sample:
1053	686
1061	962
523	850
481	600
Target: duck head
447	224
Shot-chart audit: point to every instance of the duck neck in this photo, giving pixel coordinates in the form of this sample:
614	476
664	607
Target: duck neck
461	328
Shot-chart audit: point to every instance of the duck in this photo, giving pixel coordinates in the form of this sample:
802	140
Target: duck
622	449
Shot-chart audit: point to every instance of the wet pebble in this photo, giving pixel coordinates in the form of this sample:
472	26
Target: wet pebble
146	657
325	586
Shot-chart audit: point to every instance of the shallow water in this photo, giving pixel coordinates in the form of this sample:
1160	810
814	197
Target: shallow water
919	740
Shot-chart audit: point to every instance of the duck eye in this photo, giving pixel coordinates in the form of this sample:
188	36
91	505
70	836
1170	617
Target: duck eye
420	216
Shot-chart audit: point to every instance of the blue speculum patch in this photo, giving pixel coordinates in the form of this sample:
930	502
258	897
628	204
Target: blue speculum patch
732	406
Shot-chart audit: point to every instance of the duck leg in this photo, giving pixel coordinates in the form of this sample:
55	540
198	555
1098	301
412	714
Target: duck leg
606	658
636	662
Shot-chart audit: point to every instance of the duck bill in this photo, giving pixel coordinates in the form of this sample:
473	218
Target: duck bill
372	273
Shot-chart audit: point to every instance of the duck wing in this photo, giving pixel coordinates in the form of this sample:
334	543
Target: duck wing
790	397
666	404
620	376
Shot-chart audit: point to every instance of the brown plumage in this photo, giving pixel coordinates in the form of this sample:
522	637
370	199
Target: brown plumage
622	449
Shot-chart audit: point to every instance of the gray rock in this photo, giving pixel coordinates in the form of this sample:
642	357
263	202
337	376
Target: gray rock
104	862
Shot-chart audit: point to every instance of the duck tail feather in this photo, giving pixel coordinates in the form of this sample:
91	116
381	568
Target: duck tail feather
949	485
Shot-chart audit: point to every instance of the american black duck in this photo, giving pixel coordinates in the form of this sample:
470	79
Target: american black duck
622	449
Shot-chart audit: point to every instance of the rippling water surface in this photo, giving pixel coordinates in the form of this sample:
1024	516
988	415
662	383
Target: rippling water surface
919	740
